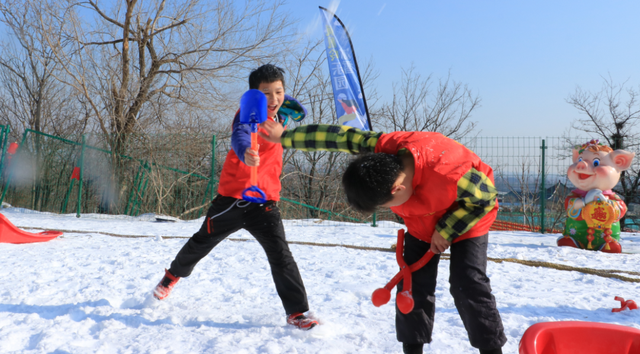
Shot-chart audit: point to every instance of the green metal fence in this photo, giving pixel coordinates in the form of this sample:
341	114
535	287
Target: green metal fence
41	177
531	177
4	140
80	175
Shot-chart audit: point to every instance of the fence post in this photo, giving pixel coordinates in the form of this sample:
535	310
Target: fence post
213	165
66	198
10	174
132	191
543	191
142	188
5	138
375	218
208	192
84	144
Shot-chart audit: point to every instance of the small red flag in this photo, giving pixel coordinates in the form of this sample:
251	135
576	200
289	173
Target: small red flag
13	147
76	173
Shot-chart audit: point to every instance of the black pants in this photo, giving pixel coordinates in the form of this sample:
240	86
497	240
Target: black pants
228	215
470	288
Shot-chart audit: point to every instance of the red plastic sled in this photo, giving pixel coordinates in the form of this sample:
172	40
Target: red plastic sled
569	337
9	233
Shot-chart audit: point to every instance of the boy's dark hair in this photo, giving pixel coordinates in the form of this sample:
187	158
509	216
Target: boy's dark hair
368	180
267	73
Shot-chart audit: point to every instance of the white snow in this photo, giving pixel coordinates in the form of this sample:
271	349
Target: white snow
89	292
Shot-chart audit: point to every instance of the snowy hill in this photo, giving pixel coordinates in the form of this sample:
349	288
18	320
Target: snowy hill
90	291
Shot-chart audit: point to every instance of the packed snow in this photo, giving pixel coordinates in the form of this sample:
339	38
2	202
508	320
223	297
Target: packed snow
89	291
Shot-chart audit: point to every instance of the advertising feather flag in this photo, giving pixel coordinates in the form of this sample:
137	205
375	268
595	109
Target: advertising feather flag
348	94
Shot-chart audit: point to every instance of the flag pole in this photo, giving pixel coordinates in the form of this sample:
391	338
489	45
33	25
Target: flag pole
364	99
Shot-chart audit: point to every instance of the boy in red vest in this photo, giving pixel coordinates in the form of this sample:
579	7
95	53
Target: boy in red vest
229	213
446	197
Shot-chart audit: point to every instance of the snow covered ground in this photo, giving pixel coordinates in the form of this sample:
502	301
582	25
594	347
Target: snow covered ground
87	292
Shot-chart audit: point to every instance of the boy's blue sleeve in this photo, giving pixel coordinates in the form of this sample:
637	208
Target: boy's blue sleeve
241	137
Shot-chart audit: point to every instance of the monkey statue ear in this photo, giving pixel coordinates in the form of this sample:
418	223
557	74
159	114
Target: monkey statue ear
622	159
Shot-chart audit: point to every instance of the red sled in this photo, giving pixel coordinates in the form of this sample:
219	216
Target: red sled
577	337
9	233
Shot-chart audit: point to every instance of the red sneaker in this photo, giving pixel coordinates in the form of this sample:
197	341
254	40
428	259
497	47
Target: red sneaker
163	289
301	321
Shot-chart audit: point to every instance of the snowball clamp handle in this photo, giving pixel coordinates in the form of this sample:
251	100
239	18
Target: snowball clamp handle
404	299
628	304
253	111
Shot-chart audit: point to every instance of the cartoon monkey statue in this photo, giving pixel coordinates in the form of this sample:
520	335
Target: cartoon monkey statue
593	209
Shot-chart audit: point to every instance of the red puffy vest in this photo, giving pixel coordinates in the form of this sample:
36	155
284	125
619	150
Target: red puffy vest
235	176
439	163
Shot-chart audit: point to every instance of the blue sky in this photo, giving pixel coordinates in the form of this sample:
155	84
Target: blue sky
523	58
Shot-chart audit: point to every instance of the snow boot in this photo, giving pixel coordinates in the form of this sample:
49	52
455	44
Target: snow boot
413	348
301	321
163	289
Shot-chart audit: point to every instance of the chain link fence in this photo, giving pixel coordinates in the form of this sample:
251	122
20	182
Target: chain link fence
53	174
164	175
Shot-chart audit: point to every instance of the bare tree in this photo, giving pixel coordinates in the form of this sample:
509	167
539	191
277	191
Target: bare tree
307	175
314	177
415	106
121	55
523	181
524	186
613	114
136	67
32	98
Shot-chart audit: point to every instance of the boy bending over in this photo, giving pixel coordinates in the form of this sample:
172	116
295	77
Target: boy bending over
446	197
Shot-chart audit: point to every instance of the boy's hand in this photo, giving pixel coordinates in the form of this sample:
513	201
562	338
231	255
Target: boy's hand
251	157
438	243
271	131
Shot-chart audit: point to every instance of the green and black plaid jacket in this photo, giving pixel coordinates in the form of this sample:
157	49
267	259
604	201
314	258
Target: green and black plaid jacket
476	194
329	138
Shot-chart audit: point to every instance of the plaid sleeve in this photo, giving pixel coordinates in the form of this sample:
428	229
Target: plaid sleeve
330	138
476	198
